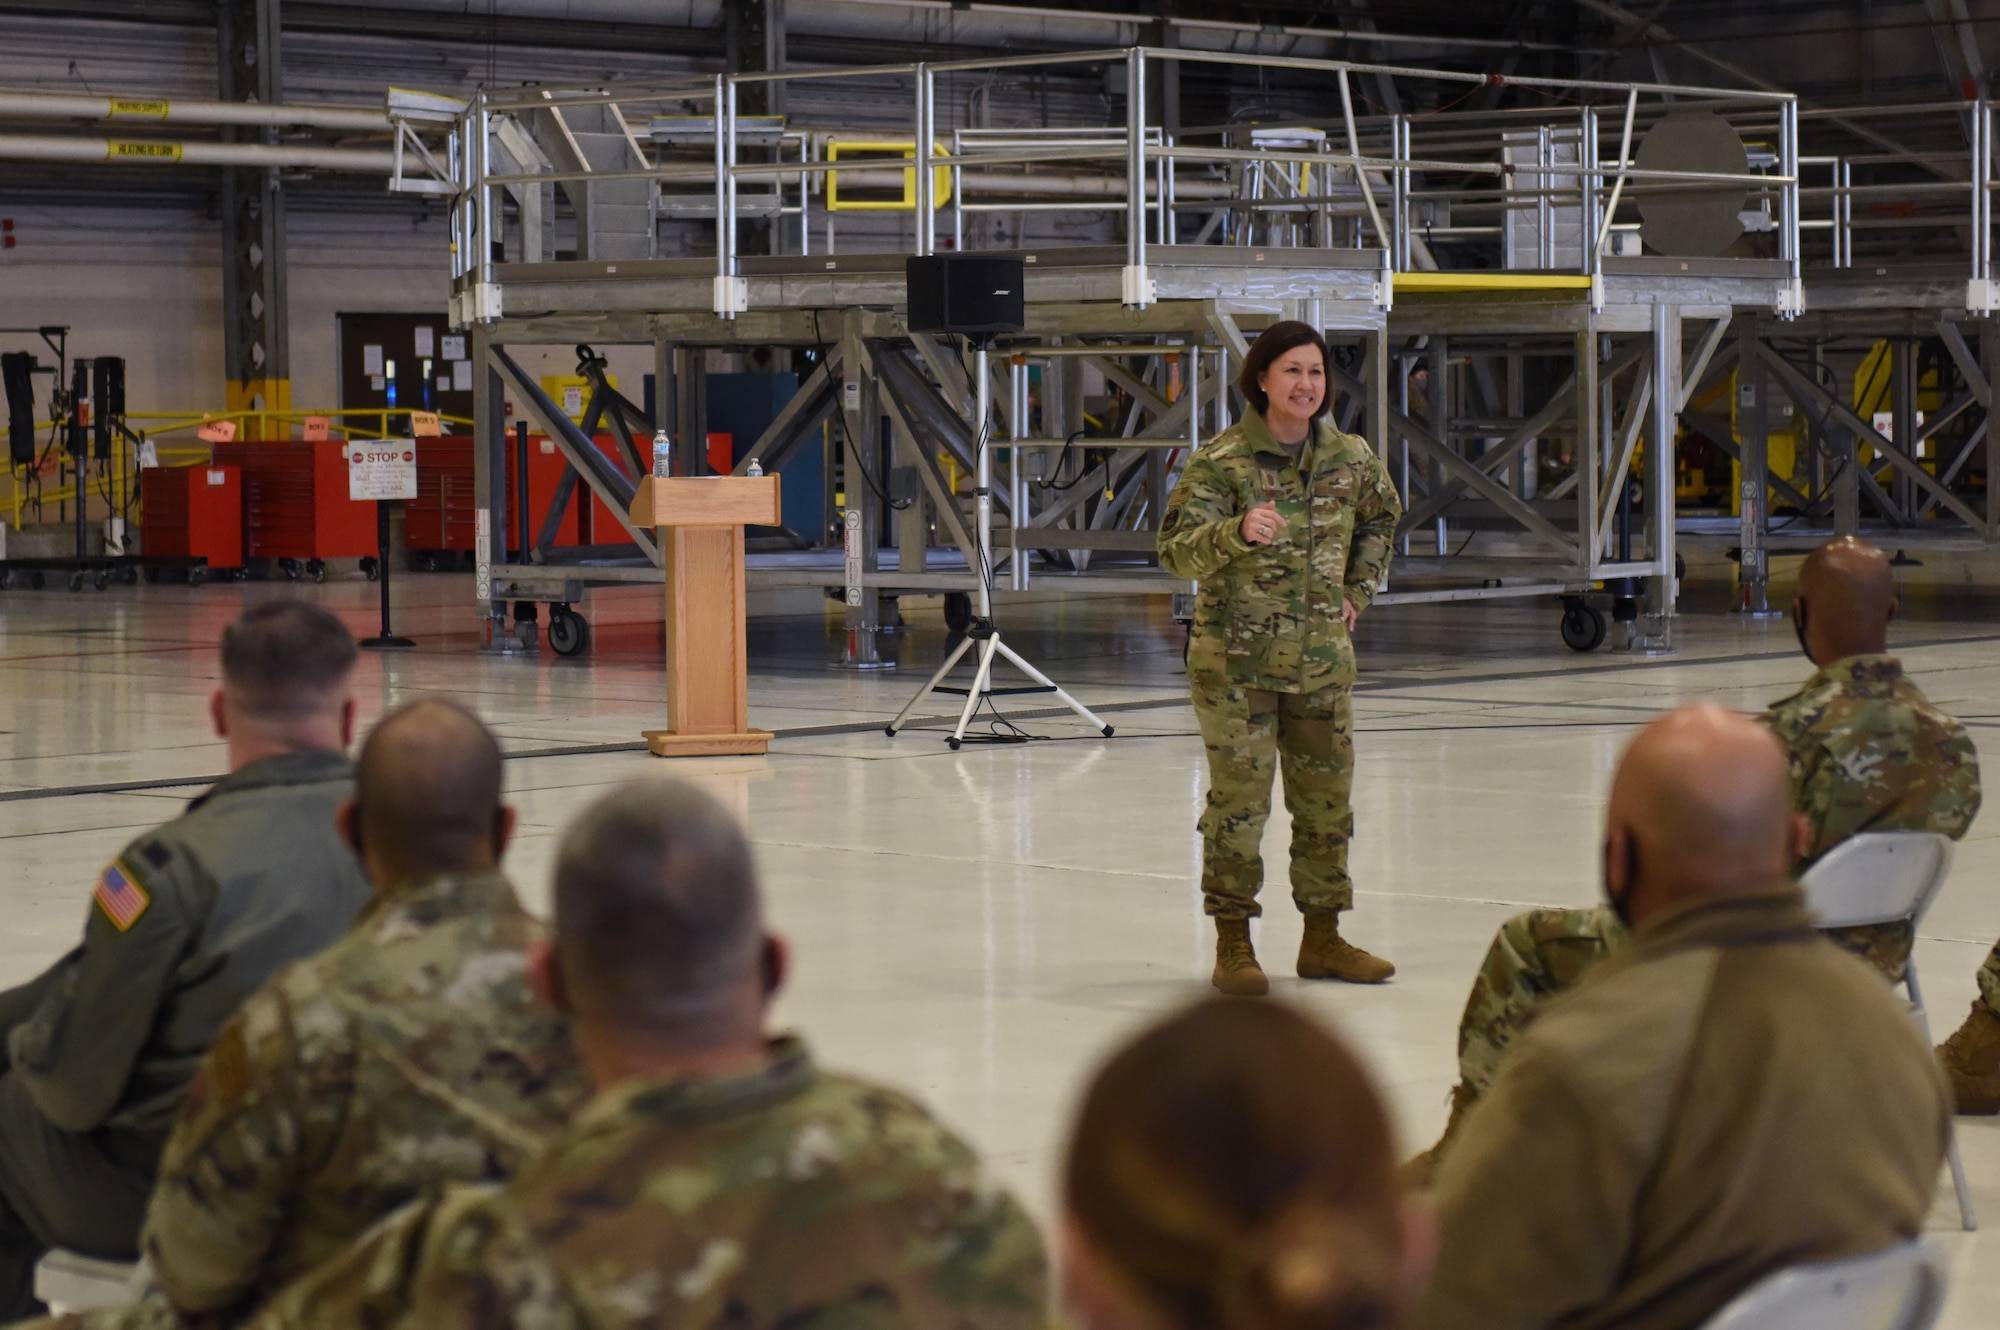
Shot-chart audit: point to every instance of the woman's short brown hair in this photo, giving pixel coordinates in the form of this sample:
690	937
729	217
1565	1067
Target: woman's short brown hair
1272	343
1235	1166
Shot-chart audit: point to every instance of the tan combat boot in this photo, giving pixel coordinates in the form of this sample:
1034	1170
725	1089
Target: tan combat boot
1324	954
1421	1170
1236	970
1971	1061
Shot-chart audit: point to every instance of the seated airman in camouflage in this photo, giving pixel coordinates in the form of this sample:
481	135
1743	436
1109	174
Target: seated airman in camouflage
412	1052
1866	752
719	1177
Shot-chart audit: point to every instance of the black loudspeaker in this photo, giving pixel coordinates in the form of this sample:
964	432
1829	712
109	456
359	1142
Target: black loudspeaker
966	294
107	397
17	371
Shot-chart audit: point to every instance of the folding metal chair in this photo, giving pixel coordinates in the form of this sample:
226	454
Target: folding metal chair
69	1281
1900	1288
1883	877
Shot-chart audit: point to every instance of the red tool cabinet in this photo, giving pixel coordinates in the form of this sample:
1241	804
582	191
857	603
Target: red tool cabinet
295	503
193	512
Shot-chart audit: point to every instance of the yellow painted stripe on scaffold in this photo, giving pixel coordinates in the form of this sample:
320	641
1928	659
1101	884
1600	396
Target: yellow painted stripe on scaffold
1492	281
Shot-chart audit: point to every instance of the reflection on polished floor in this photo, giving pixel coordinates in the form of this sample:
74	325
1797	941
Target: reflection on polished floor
979	926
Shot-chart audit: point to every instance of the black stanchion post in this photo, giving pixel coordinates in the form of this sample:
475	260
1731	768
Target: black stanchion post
387	639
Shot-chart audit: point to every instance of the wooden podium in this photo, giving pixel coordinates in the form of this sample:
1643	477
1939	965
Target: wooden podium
700	520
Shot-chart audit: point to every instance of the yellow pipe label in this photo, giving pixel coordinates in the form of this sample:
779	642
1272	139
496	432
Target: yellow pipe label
128	149
132	108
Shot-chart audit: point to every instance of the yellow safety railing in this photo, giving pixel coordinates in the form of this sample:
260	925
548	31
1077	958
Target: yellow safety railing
254	427
883	152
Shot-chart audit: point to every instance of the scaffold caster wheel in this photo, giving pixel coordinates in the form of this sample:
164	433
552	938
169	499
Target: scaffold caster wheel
957	611
569	635
7	580
76	581
197	575
371	568
290	568
103	579
954	742
316	569
129	575
427	562
1582	626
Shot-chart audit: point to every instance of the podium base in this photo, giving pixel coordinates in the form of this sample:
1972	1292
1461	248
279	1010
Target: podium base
671	743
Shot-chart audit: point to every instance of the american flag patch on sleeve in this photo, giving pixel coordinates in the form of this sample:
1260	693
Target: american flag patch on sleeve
122	899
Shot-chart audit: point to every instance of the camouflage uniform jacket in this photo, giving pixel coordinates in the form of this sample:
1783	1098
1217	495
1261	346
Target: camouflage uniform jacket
1268	616
1868	752
782	1196
409	1054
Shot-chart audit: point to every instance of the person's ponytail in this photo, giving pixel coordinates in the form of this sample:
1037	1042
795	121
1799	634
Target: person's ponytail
1235	1166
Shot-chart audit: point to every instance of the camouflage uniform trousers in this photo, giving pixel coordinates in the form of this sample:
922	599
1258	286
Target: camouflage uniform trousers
1989	980
1248	733
1540	952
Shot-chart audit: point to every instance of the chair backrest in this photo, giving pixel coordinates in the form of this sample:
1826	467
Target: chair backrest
1877	877
1900	1288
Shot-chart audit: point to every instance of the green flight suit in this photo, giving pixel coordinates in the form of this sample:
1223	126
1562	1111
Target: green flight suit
1270	664
187	922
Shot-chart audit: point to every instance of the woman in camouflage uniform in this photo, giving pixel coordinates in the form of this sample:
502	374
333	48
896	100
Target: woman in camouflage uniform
1287	524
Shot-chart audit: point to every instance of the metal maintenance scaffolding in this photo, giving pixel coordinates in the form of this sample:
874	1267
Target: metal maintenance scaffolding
1499	337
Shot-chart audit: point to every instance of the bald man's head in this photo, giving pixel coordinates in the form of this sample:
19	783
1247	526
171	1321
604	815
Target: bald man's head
427	800
1845	602
1700	807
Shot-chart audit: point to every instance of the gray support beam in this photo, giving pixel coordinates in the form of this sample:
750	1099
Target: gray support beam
1374	391
754	42
1903	412
665	382
1753	454
1589	536
489	489
1989	351
1437	407
861	425
690	371
1663	588
255	342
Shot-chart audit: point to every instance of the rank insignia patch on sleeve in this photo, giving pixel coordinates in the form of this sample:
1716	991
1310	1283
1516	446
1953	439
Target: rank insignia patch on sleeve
122	899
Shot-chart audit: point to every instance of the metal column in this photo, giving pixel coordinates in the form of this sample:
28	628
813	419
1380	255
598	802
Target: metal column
1375	374
255	347
1989	354
1753	490
1663	588
489	495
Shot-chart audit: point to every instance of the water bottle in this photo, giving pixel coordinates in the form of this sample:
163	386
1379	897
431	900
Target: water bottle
756	468
663	456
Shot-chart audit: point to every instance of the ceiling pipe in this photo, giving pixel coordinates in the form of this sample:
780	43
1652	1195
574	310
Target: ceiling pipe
77	148
178	111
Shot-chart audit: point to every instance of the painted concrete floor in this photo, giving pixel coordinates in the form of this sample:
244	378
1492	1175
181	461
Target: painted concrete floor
981	926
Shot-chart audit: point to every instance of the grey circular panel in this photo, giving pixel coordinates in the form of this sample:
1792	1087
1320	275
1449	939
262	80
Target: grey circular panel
1690	220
